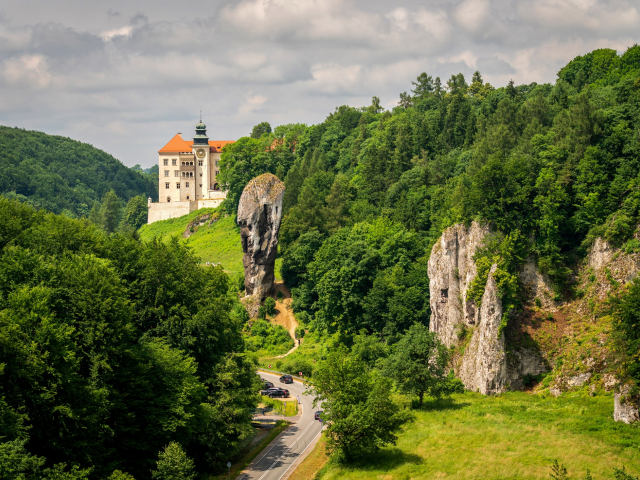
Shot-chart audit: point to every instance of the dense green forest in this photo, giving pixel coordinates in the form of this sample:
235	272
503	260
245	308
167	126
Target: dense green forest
368	191
65	176
116	355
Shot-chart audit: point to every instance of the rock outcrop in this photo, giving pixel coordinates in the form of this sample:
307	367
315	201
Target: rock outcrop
484	364
625	406
451	271
259	215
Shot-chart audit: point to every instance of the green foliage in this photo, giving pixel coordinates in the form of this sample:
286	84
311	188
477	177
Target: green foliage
358	409
110	347
174	464
418	363
507	252
550	166
558	471
62	175
270	306
626	311
135	214
268	338
260	129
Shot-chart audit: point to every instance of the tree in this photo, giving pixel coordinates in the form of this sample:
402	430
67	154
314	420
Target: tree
405	100
110	211
357	405
418	363
135	214
423	86
270	306
511	89
174	464
375	106
260	129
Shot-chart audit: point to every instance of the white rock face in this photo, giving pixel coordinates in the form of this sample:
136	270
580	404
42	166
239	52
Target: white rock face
537	285
625	407
259	215
484	364
451	271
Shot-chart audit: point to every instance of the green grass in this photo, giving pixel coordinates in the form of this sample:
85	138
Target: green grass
281	407
216	243
515	435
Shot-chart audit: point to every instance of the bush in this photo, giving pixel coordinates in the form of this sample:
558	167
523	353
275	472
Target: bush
174	464
270	306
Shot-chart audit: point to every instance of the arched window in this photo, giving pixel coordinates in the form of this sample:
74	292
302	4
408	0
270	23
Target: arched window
168	199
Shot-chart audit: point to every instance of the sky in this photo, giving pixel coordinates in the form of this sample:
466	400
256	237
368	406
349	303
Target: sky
125	76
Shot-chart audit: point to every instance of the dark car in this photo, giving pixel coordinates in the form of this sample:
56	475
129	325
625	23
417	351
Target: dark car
278	393
267	384
275	392
286	379
317	415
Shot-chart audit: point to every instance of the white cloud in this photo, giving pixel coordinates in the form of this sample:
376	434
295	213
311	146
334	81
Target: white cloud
128	81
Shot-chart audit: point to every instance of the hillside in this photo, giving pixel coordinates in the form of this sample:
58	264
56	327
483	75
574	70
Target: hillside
211	241
63	175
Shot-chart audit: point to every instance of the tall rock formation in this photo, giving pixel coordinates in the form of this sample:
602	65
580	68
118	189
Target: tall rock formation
482	364
451	271
259	215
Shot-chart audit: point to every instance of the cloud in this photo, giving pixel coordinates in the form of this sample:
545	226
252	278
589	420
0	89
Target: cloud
127	80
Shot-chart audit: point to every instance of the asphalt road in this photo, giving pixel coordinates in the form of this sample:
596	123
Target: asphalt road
277	459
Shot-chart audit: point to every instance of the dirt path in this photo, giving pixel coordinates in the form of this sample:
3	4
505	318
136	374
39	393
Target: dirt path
284	315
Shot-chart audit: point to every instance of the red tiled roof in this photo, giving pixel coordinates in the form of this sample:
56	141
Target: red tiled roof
178	144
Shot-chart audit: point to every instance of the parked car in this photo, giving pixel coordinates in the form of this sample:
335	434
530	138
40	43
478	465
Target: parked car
286	379
317	415
278	393
275	392
267	384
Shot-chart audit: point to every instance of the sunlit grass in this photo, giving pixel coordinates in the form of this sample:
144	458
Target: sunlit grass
215	243
515	435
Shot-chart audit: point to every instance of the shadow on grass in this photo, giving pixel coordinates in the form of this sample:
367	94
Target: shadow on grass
384	459
438	404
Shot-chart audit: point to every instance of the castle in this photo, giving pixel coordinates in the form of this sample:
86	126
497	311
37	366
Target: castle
188	176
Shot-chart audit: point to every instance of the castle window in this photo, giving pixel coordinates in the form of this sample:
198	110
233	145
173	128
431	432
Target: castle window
178	185
216	163
176	173
200	185
200	173
187	195
199	163
217	172
186	185
190	163
174	161
166	185
168	199
166	161
183	164
166	173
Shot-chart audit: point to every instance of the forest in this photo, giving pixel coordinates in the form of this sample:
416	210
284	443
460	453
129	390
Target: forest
115	353
368	191
63	175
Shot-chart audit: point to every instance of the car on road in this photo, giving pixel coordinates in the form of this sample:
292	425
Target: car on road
266	384
317	415
275	392
286	379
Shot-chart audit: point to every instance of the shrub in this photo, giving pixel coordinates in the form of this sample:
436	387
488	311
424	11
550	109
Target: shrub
174	464
270	306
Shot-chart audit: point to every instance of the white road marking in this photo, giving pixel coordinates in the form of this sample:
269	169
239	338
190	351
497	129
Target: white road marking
305	449
285	452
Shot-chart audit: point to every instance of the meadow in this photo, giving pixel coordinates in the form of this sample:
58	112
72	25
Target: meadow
514	435
218	242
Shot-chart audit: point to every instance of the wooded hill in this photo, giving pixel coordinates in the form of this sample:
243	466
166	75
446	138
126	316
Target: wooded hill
63	175
368	191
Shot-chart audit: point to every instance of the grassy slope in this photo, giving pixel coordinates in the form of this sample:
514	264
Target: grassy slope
218	242
515	435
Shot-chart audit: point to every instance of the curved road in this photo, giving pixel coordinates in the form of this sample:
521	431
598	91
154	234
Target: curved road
279	456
